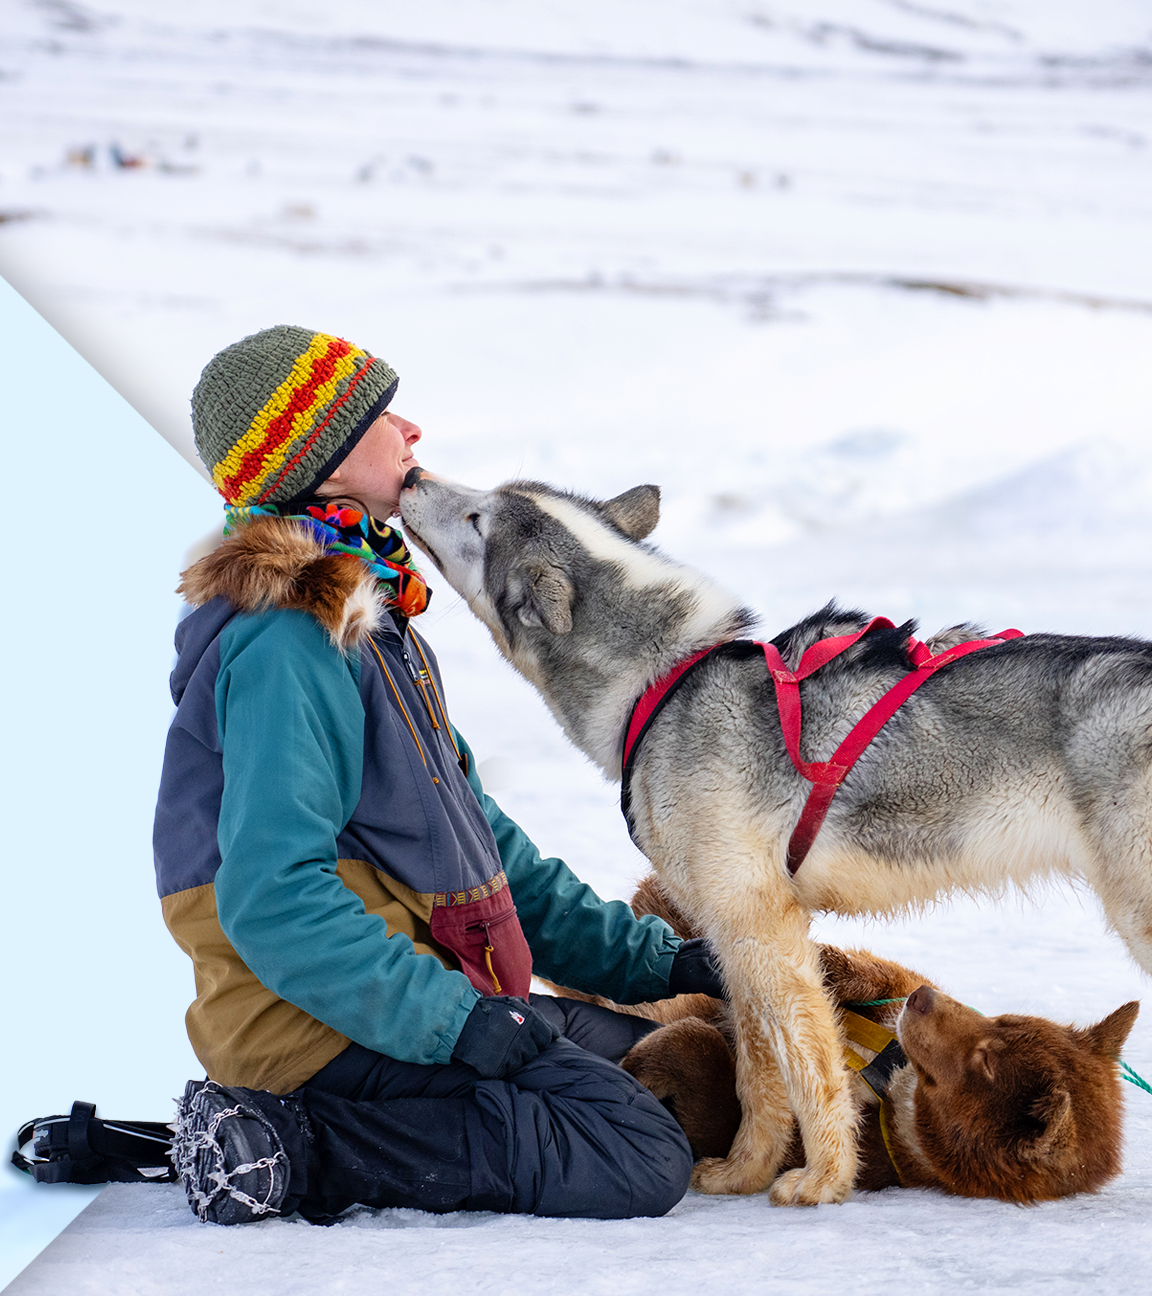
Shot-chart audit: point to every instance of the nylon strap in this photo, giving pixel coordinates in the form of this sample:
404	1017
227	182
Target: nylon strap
877	1074
886	1134
861	1030
653	696
645	711
828	775
78	1146
81	1148
825	776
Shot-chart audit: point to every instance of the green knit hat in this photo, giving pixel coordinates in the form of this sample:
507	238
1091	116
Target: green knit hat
276	413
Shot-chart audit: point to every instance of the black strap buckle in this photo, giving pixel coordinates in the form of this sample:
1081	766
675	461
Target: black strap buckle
82	1149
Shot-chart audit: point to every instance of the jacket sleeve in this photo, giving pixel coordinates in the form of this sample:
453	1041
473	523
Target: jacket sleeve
291	727
577	939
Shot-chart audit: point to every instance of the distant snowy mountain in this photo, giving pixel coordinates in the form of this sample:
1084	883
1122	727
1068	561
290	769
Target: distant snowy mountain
1061	545
171	178
1093	489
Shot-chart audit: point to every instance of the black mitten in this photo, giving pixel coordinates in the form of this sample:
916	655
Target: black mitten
501	1035
696	970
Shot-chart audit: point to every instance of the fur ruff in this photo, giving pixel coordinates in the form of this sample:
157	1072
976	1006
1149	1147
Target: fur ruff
275	563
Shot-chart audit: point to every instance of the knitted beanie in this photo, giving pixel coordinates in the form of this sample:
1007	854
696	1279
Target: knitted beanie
276	413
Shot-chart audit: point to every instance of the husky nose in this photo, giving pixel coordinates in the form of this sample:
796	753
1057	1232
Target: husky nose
411	477
922	1000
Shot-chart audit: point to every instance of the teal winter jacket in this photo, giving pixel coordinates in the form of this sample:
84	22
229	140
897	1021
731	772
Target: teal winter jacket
322	840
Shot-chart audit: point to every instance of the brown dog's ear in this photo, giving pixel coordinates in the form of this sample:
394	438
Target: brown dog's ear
985	1057
636	512
1054	1112
549	595
1107	1037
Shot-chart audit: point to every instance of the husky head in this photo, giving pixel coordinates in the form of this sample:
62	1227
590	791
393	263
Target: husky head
570	593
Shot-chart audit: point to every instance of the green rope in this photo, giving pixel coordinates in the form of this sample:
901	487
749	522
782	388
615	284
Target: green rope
1133	1078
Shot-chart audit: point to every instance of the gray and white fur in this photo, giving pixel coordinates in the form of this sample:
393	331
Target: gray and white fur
1030	758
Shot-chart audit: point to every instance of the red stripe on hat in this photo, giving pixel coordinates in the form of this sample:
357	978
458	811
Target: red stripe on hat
280	428
353	383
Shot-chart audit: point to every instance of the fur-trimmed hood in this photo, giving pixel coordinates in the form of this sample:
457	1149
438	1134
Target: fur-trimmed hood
275	563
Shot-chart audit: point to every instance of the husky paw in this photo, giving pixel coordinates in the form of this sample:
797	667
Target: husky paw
729	1175
804	1187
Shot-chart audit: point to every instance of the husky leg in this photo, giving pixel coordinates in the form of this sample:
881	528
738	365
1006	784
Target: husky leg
765	1128
1134	927
1127	900
782	1015
1120	868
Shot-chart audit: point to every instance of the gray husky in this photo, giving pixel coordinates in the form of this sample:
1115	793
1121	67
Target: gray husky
1029	757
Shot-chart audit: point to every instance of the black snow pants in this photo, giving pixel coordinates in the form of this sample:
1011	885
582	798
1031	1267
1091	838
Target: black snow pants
570	1134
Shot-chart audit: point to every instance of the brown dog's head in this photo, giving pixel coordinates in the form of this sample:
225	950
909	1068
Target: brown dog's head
689	1066
1018	1108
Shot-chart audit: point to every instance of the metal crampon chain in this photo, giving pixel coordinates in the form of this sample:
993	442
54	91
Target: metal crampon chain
184	1150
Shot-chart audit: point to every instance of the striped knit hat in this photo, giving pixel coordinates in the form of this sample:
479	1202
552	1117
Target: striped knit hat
276	413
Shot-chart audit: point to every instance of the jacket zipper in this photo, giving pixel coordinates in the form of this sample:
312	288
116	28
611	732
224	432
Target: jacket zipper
420	678
461	759
400	704
489	950
424	680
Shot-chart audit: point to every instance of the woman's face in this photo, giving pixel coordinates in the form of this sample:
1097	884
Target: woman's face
375	470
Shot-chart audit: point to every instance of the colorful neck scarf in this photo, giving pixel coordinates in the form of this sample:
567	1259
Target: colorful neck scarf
344	530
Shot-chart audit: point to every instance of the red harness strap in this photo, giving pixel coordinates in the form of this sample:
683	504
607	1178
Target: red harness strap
653	697
826	776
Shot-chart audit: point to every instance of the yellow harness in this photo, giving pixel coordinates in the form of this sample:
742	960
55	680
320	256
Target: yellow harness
876	1074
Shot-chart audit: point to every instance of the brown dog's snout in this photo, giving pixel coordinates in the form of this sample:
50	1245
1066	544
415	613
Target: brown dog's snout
922	1000
411	477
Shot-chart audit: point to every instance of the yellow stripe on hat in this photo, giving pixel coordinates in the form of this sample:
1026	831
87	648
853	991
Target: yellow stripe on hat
269	440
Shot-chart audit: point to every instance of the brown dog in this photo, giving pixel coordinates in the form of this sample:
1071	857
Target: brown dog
1017	1108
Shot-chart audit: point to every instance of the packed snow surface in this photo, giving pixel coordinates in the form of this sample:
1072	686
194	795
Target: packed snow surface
864	285
136	1241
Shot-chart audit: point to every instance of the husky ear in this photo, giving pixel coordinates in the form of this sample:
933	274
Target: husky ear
1107	1037
636	512
549	595
1054	1113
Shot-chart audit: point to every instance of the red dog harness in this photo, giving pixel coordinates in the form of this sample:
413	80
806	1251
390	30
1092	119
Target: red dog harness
826	776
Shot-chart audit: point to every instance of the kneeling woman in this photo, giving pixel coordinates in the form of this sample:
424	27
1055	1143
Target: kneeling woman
362	917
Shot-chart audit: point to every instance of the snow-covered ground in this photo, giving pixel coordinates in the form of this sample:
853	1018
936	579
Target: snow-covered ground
865	285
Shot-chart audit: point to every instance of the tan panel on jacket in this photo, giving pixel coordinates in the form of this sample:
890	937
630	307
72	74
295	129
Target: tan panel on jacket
242	1032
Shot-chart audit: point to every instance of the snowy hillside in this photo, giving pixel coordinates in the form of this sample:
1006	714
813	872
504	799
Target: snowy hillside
547	193
864	285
